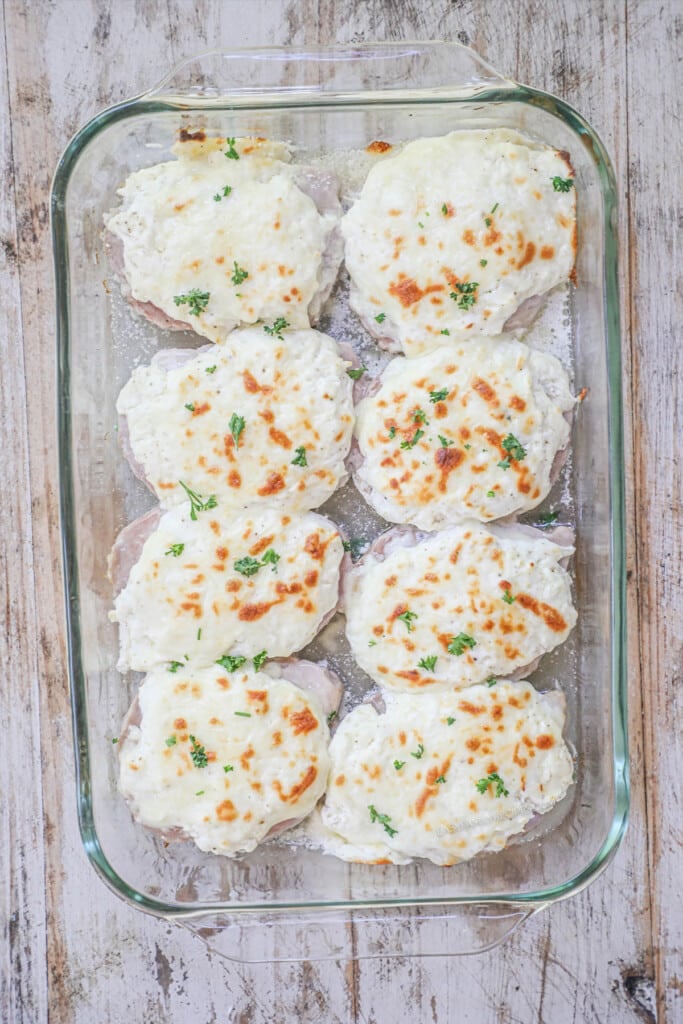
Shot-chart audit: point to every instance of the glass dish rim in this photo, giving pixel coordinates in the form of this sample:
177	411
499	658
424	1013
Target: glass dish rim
506	90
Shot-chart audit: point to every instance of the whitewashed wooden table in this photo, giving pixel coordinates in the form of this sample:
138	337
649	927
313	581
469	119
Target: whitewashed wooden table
72	953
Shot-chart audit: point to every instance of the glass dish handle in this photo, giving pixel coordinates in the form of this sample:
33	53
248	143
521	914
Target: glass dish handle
359	934
382	69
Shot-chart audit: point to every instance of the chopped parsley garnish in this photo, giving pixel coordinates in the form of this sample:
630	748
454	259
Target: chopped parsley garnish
459	644
380	318
392	433
487	222
249	566
196	300
464	294
490	494
419	416
398	765
444	442
408	617
278	327
438	396
491	681
259	659
413	441
239	274
200	792
243	714
300	459
562	184
372	643
228	768
505	463
115	739
441	778
227	189
356	374
236	426
231	662
548	518
450	720
514	448
429	664
176	550
420	224
331	717
445	331
381	819
482	263
171	741
417	754
199	633
189	406
507	597
198	754
354	546
211	369
174	666
493	778
197	503
494	208
444	209
231	152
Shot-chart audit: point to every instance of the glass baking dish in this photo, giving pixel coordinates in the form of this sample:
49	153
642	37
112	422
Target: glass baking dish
290	902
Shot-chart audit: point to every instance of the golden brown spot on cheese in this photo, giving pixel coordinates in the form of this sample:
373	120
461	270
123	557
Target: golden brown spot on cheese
473	744
447	459
315	546
267	415
215	526
252	612
299	788
431	788
220	259
517	403
485	391
303	721
391	581
192	606
200	409
379	147
450	210
468	237
311	578
277	738
273	484
184	135
377	630
180	723
547	252
261	545
469	708
232	586
225	811
545	742
234	479
223	683
340	780
550	615
279	437
413	676
563	221
245	757
288	588
529	253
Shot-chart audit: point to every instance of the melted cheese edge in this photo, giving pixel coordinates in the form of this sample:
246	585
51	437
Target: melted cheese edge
270	735
468	207
503	588
418	766
453	471
196	606
177	237
291	395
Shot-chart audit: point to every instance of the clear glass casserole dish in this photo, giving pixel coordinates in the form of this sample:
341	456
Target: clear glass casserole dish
290	902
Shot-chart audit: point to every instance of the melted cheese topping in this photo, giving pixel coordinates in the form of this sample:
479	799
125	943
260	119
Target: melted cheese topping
414	772
483	602
181	233
196	606
260	755
465	402
474	210
291	397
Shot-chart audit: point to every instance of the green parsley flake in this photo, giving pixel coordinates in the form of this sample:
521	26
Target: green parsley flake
487	222
189	406
458	644
171	741
249	566
417	754
198	754
446	331
494	778
438	396
231	662
562	184
200	792
482	263
450	720
464	294
548	518
398	765
441	778
197	503
413	441
174	666
228	768
231	152
115	739
239	274
176	550
243	714
491	681
429	664
490	494
259	659
514	448
278	327
381	819
392	433
196	300
236	426
408	618
444	442
444	209
507	597
222	195
505	463
331	717
380	318
467	447
211	369
356	374
354	546
494	208
300	459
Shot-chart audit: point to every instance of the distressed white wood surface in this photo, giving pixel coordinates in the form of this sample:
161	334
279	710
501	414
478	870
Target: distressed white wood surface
72	953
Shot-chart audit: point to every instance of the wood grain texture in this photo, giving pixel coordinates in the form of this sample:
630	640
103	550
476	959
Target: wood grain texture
73	954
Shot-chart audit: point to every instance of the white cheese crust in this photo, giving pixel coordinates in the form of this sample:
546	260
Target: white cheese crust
292	395
472	210
270	736
413	771
181	233
483	601
196	605
454	409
